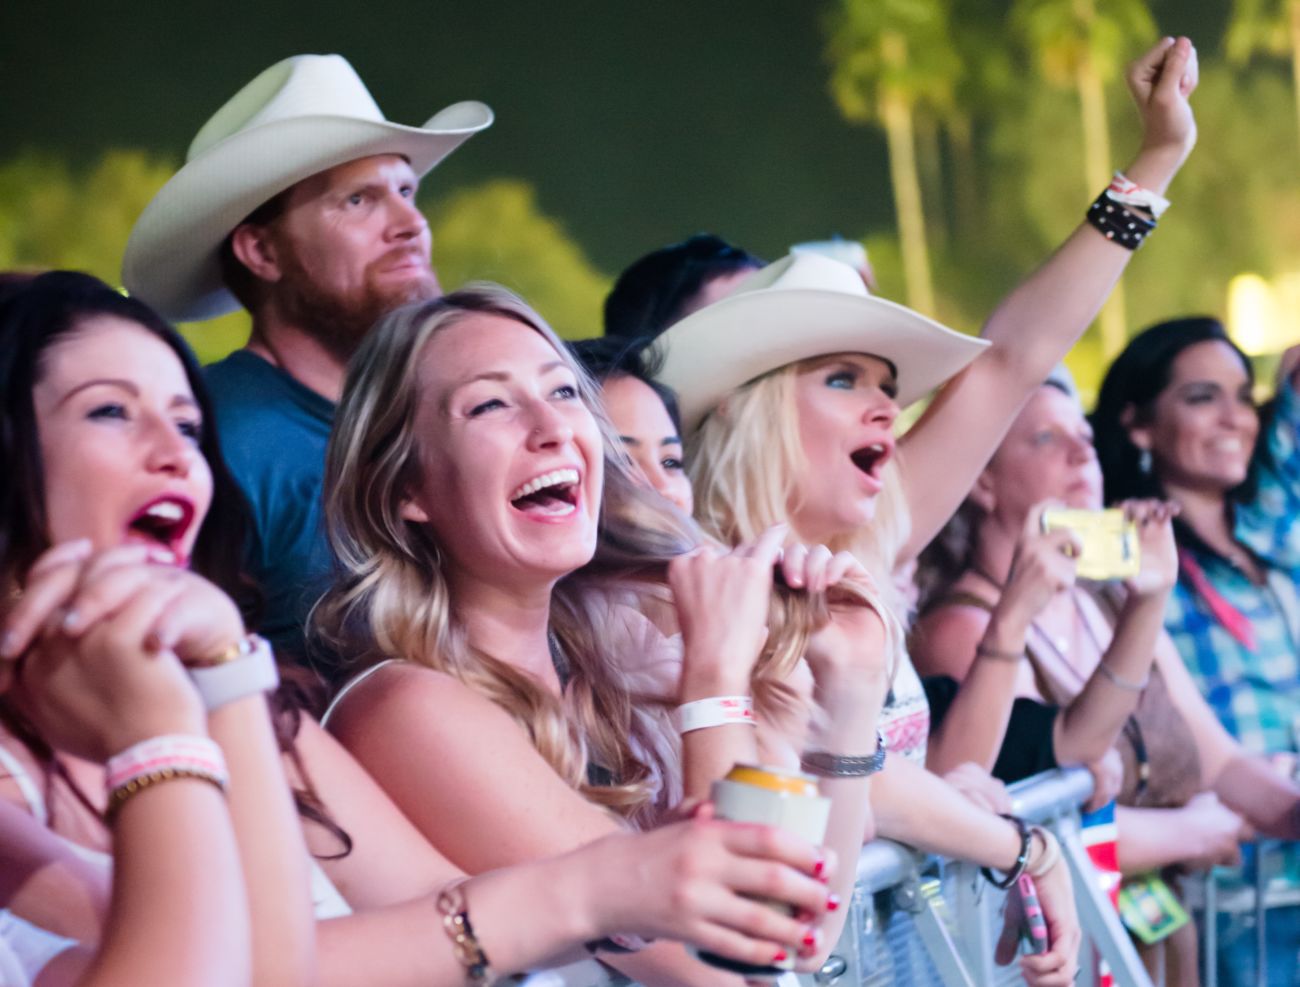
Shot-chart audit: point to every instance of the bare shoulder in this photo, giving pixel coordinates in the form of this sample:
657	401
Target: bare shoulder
943	640
401	694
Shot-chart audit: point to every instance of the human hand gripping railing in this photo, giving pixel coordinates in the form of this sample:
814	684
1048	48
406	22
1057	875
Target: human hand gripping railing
956	918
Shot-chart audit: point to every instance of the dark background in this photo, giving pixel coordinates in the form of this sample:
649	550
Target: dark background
637	123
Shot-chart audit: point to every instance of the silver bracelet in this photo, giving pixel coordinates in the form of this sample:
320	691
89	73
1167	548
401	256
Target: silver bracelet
827	765
1120	683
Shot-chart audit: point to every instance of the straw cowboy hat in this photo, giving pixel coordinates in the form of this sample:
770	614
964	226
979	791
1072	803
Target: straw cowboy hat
803	306
301	116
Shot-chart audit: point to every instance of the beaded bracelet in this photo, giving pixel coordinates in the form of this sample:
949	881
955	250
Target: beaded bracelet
159	759
455	922
168	751
1022	858
118	797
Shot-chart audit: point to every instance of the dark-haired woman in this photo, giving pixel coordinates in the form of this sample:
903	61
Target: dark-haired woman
642	410
1176	418
103	409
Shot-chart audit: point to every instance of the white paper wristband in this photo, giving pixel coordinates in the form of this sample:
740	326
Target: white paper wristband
1130	193
253	673
716	711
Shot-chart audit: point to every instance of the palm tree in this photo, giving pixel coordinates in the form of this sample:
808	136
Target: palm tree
1082	44
1270	27
889	58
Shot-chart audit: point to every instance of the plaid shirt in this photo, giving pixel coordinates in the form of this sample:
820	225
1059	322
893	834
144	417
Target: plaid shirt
1256	694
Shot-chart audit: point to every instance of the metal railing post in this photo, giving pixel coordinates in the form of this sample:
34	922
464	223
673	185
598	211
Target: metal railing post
1211	931
1096	913
922	900
1261	933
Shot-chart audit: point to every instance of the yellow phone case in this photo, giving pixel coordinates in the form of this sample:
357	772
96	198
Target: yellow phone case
1110	542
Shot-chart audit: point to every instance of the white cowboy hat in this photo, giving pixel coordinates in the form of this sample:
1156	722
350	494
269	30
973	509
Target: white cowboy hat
301	116
803	306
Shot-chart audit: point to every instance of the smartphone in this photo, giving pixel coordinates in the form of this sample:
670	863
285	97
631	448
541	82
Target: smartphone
1110	541
1033	928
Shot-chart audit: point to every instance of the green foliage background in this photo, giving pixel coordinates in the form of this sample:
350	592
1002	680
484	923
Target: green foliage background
998	148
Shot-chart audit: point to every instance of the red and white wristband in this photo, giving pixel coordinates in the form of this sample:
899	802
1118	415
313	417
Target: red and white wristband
716	711
1130	193
247	669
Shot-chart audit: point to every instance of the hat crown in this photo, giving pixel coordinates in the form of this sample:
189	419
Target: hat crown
805	272
304	85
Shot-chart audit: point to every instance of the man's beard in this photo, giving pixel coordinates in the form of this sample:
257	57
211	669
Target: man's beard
341	321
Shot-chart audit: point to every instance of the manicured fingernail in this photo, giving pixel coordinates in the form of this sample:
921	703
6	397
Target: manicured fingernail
780	956
71	620
162	556
809	939
832	902
819	868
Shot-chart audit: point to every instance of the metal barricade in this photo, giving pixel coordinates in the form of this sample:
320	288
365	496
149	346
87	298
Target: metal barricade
920	920
1222	892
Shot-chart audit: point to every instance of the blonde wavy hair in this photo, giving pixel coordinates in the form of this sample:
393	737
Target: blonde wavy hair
746	464
391	598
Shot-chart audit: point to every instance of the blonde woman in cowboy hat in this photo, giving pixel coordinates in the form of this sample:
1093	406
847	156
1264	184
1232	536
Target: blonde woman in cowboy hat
296	201
790	387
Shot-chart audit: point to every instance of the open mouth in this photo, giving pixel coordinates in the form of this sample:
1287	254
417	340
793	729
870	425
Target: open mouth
165	522
551	495
871	459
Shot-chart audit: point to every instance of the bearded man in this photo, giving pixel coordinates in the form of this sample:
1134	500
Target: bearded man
296	201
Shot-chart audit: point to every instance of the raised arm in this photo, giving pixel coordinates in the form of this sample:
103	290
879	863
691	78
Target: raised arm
1035	325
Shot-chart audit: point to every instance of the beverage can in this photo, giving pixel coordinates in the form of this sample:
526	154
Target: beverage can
788	800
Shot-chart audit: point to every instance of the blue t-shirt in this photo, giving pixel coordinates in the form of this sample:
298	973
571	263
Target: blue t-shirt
273	433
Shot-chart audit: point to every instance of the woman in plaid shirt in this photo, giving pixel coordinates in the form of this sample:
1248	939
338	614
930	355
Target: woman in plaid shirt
1176	418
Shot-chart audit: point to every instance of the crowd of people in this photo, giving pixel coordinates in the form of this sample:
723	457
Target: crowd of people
406	644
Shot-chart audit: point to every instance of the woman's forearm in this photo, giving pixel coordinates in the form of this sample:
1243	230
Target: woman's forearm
918	808
708	754
1089	726
179	913
1269	801
975	725
271	848
1152	838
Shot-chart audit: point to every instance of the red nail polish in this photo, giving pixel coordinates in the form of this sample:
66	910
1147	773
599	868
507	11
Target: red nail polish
819	868
832	902
809	940
780	956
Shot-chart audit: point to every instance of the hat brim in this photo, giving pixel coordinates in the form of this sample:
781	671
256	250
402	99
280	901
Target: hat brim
171	259
716	350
